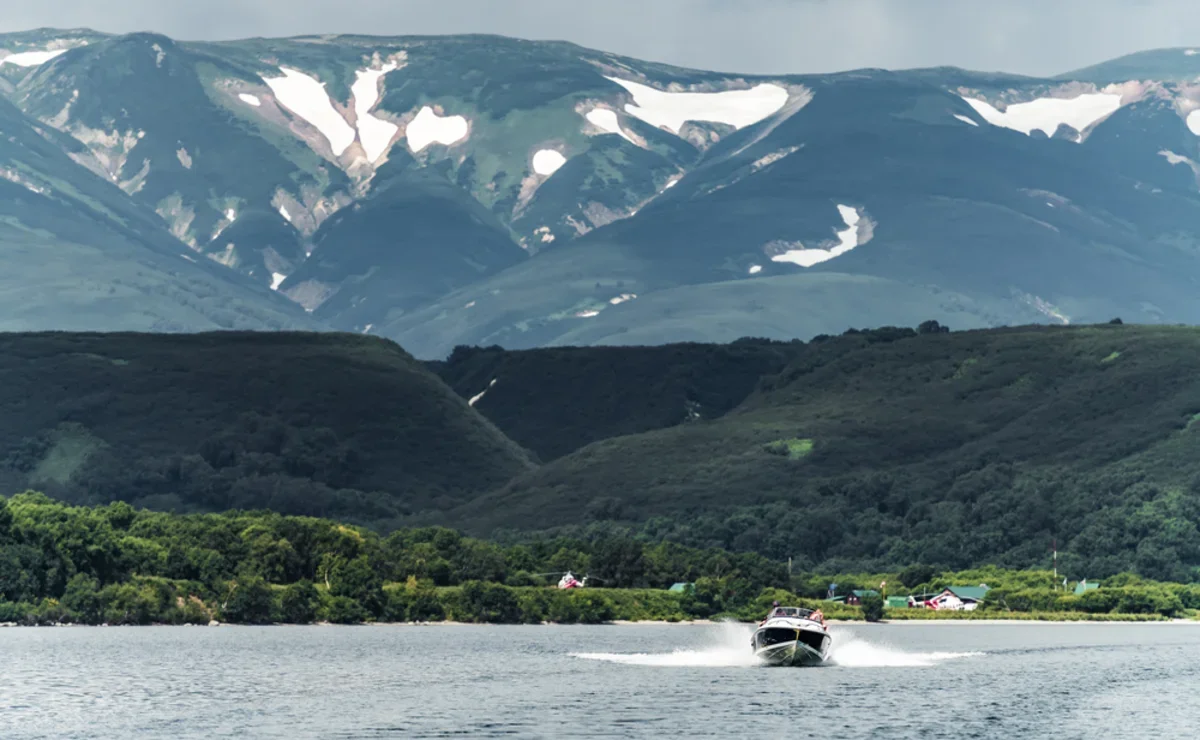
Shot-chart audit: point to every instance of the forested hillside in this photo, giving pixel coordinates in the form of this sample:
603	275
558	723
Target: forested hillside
303	423
555	400
872	450
890	447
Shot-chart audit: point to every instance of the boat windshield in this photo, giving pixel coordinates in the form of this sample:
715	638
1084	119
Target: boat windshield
791	611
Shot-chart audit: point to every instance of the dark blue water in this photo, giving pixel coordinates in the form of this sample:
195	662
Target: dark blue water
887	681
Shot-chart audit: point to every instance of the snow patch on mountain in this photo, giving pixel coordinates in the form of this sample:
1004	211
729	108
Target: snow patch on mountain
1191	53
1172	157
135	184
755	269
848	239
1193	122
306	97
430	128
374	133
769	159
227	256
309	210
1047	114
228	217
964	119
178	216
31	58
109	149
671	109
479	396
618	300
277	279
606	120
1175	159
14	176
1042	306
249	99
547	161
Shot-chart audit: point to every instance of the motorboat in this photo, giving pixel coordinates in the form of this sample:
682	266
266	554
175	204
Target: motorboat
792	636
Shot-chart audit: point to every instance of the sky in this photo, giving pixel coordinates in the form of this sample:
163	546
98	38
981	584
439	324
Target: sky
750	36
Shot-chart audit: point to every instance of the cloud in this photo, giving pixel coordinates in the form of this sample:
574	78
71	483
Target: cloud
1025	36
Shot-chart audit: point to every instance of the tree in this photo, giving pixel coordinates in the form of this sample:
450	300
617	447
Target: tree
619	563
357	580
82	597
489	602
249	603
872	608
915	575
298	603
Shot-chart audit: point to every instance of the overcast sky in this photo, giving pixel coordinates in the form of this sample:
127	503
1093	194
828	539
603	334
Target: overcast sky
1023	36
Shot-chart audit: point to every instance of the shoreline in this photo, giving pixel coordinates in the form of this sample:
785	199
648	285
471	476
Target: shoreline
646	623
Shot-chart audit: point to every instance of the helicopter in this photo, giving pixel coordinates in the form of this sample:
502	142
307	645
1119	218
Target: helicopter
568	579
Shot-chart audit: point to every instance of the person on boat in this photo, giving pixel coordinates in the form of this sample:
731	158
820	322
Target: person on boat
819	616
774	606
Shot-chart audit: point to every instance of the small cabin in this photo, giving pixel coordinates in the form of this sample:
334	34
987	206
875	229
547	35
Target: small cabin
854	598
958	598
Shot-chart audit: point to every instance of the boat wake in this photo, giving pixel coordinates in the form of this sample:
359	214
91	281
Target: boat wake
850	651
729	648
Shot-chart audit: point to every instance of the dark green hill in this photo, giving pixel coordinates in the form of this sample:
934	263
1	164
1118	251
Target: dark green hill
889	447
295	422
554	401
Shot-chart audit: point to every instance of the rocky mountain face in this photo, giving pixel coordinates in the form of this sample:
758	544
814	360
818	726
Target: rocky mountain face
443	191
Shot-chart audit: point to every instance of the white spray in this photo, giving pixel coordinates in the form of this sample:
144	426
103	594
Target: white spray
729	647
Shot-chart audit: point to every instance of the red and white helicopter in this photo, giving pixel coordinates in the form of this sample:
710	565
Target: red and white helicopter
568	579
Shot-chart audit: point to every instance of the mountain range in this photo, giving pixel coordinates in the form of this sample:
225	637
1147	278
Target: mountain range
479	190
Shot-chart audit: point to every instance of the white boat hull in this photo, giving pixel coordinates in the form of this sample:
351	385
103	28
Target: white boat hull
789	642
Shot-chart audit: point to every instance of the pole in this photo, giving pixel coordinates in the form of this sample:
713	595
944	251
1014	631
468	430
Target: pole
1055	546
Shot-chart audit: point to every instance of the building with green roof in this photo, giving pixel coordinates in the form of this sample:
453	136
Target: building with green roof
959	598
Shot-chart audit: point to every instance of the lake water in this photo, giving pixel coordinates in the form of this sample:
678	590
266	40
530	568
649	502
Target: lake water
888	681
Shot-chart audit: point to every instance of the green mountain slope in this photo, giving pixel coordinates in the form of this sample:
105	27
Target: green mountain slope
885	447
78	254
554	401
295	422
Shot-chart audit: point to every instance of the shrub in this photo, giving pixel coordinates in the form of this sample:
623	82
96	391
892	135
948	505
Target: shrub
872	608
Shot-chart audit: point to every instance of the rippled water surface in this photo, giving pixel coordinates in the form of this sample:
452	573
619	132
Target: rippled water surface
902	681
